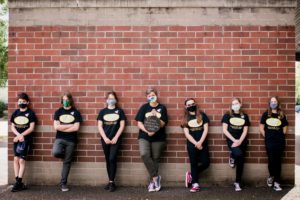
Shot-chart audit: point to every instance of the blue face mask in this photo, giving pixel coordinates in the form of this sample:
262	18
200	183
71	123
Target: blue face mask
111	102
273	105
152	99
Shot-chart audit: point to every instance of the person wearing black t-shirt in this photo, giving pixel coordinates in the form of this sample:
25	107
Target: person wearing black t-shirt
235	127
23	121
151	144
195	127
111	124
67	121
273	126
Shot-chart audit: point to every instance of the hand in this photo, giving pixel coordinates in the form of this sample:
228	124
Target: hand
21	138
236	143
151	133
114	140
199	145
16	139
106	140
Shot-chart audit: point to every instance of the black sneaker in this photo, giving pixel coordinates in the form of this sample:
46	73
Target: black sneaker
18	187
106	187
112	187
64	188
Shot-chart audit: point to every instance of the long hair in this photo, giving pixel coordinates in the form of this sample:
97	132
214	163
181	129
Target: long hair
185	118
114	94
279	110
70	98
230	111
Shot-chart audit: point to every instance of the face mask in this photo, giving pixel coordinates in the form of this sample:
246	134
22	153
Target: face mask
236	107
191	108
66	103
111	102
273	105
22	105
152	99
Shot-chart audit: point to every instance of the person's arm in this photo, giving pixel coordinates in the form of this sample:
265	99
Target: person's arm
29	130
14	130
102	133
142	127
120	131
74	127
262	129
227	134
285	129
61	127
203	137
243	136
188	136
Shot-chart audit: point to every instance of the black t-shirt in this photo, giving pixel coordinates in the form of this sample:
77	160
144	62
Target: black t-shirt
111	119
236	123
196	129
274	127
22	121
70	116
144	112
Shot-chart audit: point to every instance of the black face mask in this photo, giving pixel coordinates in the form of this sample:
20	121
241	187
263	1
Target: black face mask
23	105
191	108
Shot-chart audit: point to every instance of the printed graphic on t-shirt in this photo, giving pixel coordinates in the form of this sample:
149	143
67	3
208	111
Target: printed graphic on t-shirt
195	126
236	122
273	123
67	118
112	118
21	121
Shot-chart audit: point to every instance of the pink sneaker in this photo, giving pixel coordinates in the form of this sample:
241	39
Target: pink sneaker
188	179
195	187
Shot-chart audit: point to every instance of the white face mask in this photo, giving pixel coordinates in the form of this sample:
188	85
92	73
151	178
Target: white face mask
236	107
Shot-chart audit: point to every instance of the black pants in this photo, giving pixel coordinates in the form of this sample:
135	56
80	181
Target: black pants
275	153
111	152
238	153
197	156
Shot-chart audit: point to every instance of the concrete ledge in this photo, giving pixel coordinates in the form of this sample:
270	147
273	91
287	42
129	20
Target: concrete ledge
133	174
149	3
151	13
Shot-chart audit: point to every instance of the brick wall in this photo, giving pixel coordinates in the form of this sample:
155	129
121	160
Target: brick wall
210	50
211	63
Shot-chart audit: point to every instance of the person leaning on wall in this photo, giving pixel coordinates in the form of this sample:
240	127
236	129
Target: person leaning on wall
67	121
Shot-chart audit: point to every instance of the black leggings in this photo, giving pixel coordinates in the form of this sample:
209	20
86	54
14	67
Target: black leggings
238	153
111	152
275	153
197	156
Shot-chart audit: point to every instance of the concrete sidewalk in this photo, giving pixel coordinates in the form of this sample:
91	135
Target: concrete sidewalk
132	193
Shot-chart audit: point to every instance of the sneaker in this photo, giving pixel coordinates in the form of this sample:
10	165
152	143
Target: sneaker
106	187
195	187
188	179
231	162
277	187
64	188
237	187
157	183
270	181
18	187
112	187
151	187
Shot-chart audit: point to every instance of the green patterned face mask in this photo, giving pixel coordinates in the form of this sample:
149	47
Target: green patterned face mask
66	103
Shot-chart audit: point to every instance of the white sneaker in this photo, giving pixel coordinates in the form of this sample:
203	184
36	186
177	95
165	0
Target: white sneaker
231	162
157	184
270	181
195	187
151	187
237	187
277	187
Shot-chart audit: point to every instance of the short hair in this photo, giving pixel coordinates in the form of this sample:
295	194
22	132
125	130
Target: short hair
148	91
24	96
